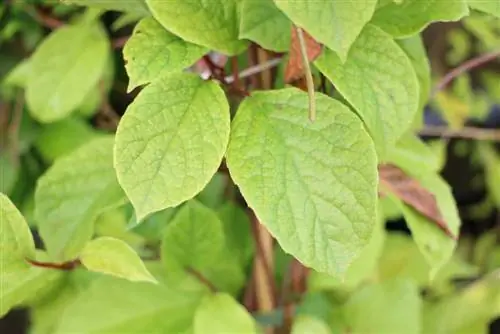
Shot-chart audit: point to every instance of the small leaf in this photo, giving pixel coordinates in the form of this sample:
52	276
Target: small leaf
488	6
152	52
72	193
16	241
389	307
120	306
295	68
307	324
411	192
194	238
132	6
336	24
412	16
291	172
64	68
213	24
220	313
114	257
262	22
171	141
385	93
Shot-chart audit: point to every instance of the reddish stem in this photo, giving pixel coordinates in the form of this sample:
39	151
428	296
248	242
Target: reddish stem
70	265
199	276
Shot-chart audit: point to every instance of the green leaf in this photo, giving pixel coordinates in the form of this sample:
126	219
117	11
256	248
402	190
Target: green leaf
72	193
18	76
16	240
64	68
379	81
409	17
415	50
389	307
491	161
411	152
307	324
152	52
114	257
194	238
22	283
133	6
119	306
213	193
336	24
488	6
292	172
263	23
171	141
75	132
220	313
213	24
9	173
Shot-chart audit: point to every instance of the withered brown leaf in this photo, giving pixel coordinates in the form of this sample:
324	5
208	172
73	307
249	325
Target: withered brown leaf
295	68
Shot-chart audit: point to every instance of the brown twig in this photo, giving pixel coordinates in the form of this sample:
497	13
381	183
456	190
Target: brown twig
70	265
235	73
106	109
119	42
47	20
14	126
463	68
464	133
255	69
199	276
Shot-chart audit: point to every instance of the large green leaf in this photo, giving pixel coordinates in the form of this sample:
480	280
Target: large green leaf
335	24
488	6
133	6
171	141
389	307
408	17
213	23
312	184
72	193
263	23
194	238
117	306
64	68
307	324
152	52
220	313
379	81
114	257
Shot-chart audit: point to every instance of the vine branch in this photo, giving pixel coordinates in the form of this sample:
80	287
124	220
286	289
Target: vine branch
70	265
464	133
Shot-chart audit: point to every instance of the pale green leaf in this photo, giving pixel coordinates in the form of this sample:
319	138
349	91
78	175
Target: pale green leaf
389	307
22	283
412	153
220	313
18	76
171	141
117	306
379	81
16	241
312	184
336	24
213	24
152	52
194	238
213	195
64	68
133	6
488	6
75	132
411	16
72	193
263	23
114	257
307	324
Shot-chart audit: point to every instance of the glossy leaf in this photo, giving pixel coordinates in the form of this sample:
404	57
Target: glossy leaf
171	141
389	307
213	24
194	238
64	68
412	16
262	22
335	24
72	193
114	257
152	52
379	81
291	171
220	313
119	306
